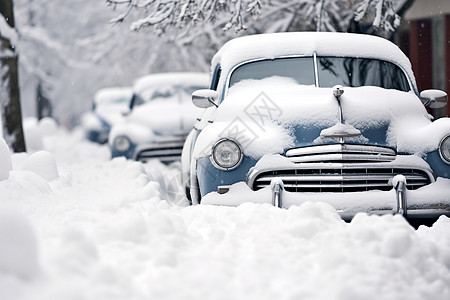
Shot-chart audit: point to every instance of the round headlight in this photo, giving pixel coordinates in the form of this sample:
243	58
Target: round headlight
226	154
444	149
122	143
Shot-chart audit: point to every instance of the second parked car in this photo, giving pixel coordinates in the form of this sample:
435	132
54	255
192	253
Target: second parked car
108	108
161	115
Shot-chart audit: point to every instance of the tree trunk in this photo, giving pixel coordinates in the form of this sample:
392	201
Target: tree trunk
9	85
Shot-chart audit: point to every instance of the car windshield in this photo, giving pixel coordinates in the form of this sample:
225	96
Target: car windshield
301	69
152	93
356	72
346	71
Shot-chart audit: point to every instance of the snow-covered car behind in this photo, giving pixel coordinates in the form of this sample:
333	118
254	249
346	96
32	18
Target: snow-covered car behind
160	118
297	117
108	108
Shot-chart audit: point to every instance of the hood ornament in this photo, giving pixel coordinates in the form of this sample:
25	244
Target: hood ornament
340	130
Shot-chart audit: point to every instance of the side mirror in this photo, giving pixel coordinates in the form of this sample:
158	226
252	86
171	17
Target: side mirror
204	98
434	98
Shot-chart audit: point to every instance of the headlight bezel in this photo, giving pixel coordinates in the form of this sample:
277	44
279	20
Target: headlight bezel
446	139
123	138
217	164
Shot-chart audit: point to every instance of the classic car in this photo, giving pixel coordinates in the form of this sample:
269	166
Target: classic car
311	116
160	117
108	107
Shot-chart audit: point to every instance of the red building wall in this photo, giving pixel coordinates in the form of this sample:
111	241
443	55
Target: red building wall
420	54
447	58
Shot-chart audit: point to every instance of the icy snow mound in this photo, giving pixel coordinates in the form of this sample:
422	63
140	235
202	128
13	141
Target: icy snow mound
42	163
36	132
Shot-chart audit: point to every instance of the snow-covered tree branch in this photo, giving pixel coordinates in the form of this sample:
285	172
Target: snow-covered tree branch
262	16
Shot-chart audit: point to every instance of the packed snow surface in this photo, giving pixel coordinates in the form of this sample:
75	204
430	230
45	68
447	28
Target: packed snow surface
82	226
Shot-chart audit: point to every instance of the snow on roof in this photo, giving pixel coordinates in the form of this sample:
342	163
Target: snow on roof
273	45
178	78
112	93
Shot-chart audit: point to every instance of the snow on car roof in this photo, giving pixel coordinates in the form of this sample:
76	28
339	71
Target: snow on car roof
184	78
275	45
109	94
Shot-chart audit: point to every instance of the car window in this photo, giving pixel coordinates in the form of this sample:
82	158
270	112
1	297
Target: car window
164	92
216	77
301	69
356	72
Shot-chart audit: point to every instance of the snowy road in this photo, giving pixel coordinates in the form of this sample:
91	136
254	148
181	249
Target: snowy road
102	229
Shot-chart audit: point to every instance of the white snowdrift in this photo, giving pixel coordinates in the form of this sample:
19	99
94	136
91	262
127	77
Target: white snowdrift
110	229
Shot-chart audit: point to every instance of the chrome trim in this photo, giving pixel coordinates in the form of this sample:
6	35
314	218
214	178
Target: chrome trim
440	152
340	157
316	70
400	193
341	153
213	161
339	147
277	189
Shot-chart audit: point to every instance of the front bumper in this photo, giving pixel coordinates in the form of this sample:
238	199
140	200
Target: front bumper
405	185
427	202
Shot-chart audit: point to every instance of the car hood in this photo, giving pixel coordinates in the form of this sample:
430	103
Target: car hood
165	117
275	114
111	114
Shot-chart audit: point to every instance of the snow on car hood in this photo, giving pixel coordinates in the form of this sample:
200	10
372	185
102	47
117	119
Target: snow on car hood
165	116
274	114
112	113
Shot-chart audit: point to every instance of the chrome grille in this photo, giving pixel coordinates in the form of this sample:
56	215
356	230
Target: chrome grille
167	150
341	180
341	168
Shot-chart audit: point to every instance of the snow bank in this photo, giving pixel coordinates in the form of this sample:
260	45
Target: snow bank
109	229
18	246
36	131
42	163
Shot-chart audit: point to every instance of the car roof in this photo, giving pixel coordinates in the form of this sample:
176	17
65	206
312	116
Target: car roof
274	45
108	94
174	78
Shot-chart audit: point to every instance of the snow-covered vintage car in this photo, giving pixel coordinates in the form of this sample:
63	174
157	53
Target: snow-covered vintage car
108	108
161	116
330	117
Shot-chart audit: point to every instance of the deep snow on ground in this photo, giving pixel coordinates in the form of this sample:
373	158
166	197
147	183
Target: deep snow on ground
76	225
